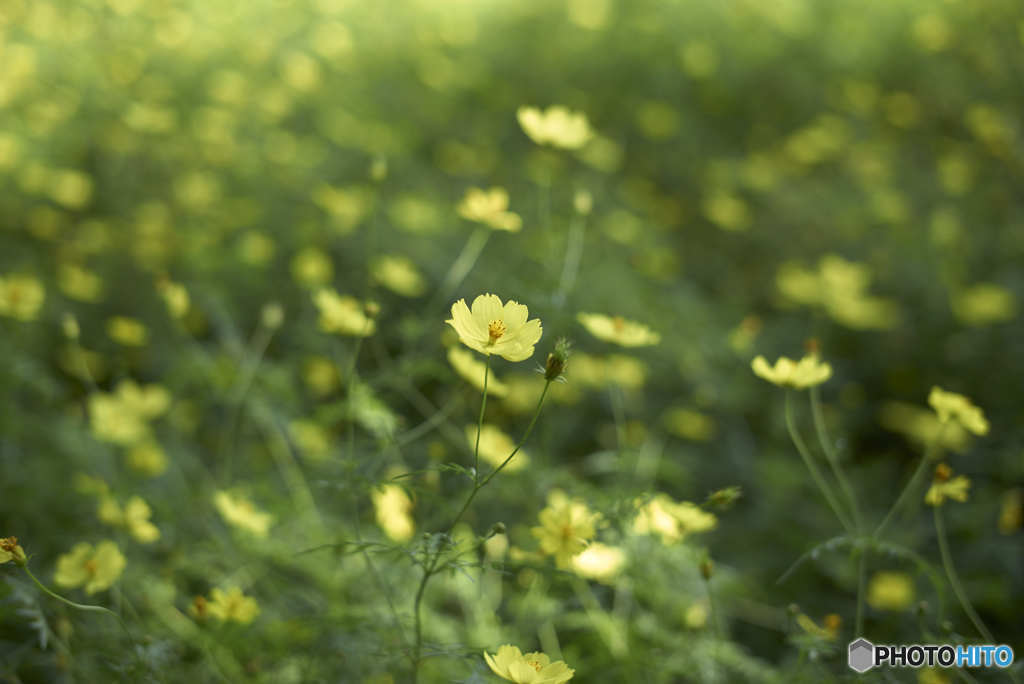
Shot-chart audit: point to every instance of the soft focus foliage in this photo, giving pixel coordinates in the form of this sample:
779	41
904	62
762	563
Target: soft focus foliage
232	412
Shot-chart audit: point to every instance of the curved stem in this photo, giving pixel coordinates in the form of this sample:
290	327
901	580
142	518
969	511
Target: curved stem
823	485
954	579
833	459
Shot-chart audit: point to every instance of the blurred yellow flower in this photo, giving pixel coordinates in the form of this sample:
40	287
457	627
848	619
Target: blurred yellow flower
312	267
147	458
891	591
533	668
599	372
123	415
491	327
806	372
129	332
393	507
79	283
727	210
343	314
1011	512
921	425
321	375
473	371
671	520
242	513
95	568
599	562
495	447
619	330
946	487
398	274
489	207
566	527
11	551
311	439
175	296
21	297
232	605
957	407
689	424
983	304
556	126
839	287
134	517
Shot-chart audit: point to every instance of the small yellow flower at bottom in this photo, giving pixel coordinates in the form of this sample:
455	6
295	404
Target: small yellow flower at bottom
806	372
954	488
95	568
11	551
533	668
232	605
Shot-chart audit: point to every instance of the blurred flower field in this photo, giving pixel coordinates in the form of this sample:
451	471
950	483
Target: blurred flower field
452	341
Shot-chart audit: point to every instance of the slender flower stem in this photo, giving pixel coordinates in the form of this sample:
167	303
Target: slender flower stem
823	485
911	484
480	426
432	557
954	579
833	459
858	625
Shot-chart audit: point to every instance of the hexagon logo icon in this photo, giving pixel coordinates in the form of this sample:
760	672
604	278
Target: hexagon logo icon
862	656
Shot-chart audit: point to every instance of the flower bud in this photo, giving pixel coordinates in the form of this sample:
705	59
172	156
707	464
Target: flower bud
555	365
10	551
943	472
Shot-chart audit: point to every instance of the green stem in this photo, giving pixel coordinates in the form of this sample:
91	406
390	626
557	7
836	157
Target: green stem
861	577
833	459
823	485
954	579
480	426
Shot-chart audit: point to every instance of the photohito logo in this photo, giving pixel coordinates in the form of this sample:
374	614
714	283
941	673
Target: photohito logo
864	655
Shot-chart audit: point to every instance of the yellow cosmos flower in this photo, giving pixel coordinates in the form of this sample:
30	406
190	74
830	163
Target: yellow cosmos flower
566	528
922	425
398	274
945	487
134	517
891	591
599	562
533	668
806	372
343	314
489	207
123	415
11	551
618	330
491	327
242	513
557	126
175	296
95	568
78	283
21	297
129	332
957	407
495	447
393	507
602	371
671	520
473	371
147	458
232	605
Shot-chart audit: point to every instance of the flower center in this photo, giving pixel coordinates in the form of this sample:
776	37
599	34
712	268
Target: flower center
496	329
90	566
619	323
534	664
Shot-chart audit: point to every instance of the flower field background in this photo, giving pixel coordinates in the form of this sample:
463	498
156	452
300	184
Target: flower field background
239	442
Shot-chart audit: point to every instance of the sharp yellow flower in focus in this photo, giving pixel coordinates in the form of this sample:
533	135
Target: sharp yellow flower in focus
957	407
489	207
671	520
473	371
891	591
495	447
343	314
21	297
95	568
533	668
566	528
618	330
556	126
242	513
806	372
491	327
232	605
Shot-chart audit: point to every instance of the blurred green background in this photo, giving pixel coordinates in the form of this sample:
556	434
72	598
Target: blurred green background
175	176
